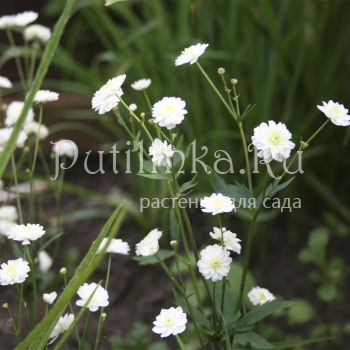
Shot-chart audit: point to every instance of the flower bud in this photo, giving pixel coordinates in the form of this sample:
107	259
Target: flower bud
103	316
221	71
63	271
133	107
173	243
234	81
5	306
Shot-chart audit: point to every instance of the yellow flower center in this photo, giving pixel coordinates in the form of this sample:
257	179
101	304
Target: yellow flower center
215	263
12	271
275	138
217	203
170	108
262	297
335	111
169	321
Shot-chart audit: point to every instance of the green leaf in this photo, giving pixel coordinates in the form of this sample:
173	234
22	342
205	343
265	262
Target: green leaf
260	312
152	260
301	312
111	2
186	188
37	338
255	340
156	176
235	192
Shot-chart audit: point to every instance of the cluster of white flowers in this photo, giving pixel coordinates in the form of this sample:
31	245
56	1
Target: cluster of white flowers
260	296
37	129
149	245
14	111
37	32
99	296
214	262
108	96
217	203
161	153
170	322
115	246
5	134
18	20
26	233
14	271
228	239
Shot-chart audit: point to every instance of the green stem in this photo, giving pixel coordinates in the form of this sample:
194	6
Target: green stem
86	325
17	331
15	179
317	131
34	285
224	279
206	76
180	343
147	100
32	169
142	124
17	59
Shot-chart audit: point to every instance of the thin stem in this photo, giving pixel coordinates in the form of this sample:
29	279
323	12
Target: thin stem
246	157
31	67
137	119
147	100
169	274
15	179
17	60
206	76
34	285
224	279
317	131
35	155
17	331
180	343
86	324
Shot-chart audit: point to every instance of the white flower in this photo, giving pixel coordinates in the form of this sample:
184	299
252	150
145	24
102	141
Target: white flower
161	153
169	111
5	134
37	129
49	298
25	18
13	112
61	326
190	54
230	239
5	83
65	148
26	233
8	213
99	298
14	271
44	261
37	32
5	227
116	246
272	141
149	245
336	112
133	107
170	322
217	204
259	296
141	84
214	262
43	96
108	96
